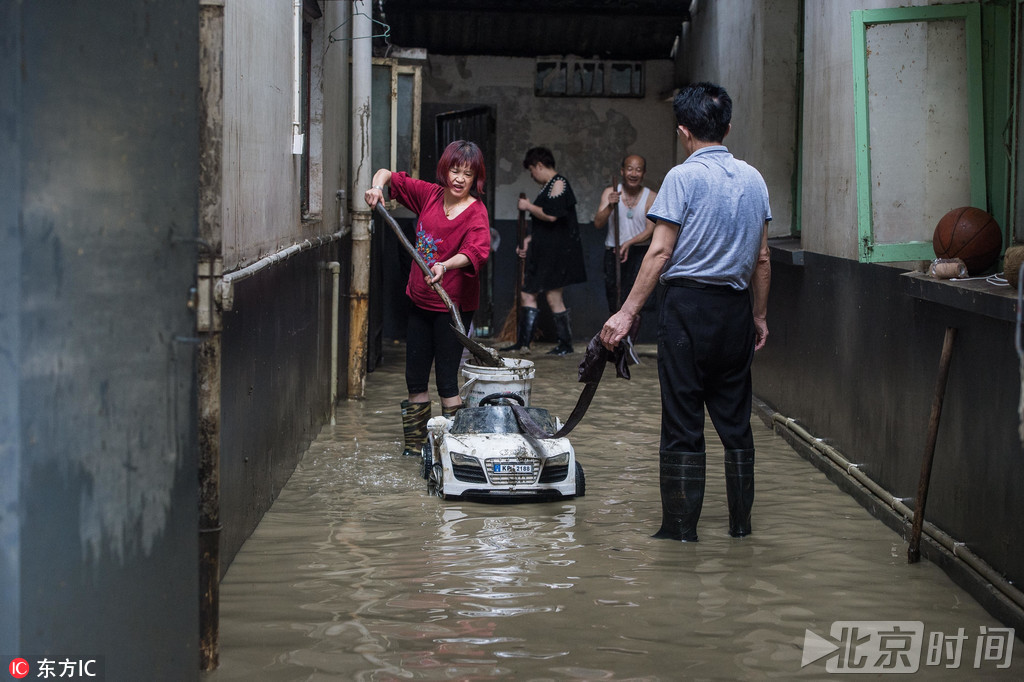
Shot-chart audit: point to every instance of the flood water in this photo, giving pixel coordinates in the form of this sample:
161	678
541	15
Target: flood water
356	573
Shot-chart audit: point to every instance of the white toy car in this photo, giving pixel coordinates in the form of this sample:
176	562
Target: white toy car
483	454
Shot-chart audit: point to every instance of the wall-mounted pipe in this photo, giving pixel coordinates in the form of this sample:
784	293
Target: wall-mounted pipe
335	268
225	293
957	549
208	324
362	176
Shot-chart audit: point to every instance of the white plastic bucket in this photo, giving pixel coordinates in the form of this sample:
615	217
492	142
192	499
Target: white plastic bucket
514	376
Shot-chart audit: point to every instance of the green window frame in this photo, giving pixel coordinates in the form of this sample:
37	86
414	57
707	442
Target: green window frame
868	249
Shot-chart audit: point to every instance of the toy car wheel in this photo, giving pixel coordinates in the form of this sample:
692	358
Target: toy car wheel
427	459
581	481
435	483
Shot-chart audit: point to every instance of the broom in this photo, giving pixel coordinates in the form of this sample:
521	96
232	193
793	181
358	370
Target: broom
509	329
618	252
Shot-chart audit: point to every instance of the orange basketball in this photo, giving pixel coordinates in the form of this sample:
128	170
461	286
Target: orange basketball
970	234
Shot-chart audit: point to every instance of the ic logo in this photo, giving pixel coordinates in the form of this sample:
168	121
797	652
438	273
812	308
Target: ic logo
19	668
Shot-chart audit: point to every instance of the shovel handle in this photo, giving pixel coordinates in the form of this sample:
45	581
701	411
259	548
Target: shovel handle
456	318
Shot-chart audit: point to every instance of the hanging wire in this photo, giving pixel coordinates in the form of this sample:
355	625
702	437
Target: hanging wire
386	34
997	279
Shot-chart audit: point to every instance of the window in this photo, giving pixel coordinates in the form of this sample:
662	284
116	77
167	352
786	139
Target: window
919	125
395	128
588	78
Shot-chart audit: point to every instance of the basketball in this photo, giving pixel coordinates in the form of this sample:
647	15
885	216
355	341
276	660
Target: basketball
971	235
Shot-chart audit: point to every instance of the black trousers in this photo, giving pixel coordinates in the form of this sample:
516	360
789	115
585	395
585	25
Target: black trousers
430	340
705	349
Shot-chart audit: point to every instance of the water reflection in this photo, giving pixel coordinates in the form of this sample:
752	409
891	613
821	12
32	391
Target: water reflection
357	574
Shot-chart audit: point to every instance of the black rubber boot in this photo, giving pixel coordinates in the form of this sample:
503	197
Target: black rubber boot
564	332
414	424
739	490
524	332
682	495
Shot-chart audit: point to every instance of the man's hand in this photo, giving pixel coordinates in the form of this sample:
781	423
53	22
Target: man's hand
761	332
616	328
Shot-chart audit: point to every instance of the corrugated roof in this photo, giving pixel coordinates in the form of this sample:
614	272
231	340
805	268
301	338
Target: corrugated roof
605	29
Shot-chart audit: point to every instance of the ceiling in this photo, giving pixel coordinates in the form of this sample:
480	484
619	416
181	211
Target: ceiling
604	29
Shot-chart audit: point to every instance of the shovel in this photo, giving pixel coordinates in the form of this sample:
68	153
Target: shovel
486	356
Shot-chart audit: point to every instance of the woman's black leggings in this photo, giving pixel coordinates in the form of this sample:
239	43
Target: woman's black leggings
430	340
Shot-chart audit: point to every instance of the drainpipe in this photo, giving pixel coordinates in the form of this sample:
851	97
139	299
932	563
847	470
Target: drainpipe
335	268
362	176
208	322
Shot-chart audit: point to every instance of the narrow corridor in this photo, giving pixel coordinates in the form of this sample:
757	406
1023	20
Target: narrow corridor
356	573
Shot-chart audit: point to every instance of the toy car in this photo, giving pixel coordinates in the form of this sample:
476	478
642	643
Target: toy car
482	453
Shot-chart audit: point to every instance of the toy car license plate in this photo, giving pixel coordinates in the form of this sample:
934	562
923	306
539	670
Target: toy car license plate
507	468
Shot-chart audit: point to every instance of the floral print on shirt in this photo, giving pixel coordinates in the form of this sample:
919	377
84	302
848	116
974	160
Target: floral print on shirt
426	245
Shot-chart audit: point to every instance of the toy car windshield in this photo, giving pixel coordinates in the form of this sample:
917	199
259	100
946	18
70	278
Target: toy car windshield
497	419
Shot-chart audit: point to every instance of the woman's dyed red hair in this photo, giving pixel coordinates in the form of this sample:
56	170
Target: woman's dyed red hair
462	153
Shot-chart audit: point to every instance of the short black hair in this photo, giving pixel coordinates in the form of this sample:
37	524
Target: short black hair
540	155
705	109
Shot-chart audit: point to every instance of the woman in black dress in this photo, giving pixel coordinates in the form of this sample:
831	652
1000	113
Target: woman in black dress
553	251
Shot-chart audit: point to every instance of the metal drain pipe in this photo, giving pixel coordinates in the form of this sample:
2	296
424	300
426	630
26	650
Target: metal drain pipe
362	176
957	549
335	268
208	323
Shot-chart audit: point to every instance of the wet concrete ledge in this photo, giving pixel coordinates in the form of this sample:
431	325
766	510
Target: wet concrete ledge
990	597
975	295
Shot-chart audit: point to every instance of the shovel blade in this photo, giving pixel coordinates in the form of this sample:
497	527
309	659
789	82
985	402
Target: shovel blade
485	356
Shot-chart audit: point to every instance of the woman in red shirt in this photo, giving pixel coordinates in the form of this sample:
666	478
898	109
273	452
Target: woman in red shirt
453	236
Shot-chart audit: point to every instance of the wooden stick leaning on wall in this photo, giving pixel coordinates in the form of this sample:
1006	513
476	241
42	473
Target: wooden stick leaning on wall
914	548
510	328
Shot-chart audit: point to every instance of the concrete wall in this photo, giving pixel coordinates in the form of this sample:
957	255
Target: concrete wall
853	355
275	383
829	189
98	441
10	325
588	136
275	390
750	49
261	176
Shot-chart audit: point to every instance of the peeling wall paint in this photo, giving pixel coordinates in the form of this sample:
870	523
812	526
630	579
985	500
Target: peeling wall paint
588	136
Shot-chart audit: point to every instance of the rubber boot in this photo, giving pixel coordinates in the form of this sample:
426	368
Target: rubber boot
414	424
739	490
564	332
682	495
524	332
450	411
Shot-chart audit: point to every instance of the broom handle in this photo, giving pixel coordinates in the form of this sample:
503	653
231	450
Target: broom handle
618	264
404	241
520	238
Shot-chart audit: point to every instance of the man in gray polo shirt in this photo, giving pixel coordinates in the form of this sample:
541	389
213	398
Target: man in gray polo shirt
710	250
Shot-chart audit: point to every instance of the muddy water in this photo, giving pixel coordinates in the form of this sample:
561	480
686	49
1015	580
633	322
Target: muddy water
357	574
